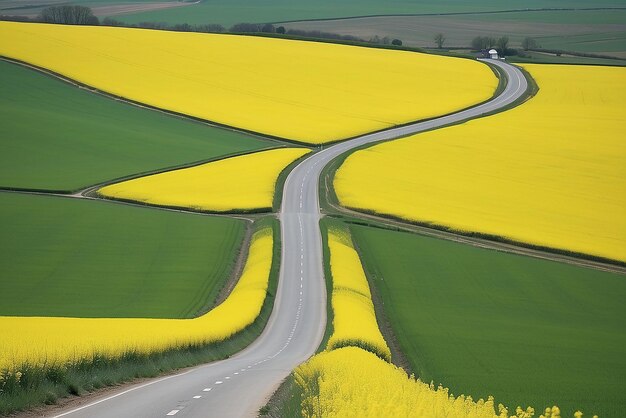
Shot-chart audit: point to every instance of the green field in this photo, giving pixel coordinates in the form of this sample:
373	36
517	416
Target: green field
58	137
602	32
528	331
70	257
234	11
543	58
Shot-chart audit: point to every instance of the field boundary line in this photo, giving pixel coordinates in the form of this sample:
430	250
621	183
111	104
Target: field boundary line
484	12
249	217
85	190
90	192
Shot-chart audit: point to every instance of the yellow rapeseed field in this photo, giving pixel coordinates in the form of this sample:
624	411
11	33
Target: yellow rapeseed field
551	172
305	91
244	182
351	382
57	341
354	319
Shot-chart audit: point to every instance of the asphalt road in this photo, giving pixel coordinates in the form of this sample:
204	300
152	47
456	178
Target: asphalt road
239	386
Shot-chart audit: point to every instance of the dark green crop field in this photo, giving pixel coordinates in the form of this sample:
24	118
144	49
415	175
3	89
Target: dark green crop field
55	136
481	322
70	257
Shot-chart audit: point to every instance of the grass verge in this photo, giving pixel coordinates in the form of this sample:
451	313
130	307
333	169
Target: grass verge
46	385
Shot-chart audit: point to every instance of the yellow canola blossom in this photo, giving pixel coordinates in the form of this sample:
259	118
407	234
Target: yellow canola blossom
307	91
57	341
351	382
354	318
244	182
551	172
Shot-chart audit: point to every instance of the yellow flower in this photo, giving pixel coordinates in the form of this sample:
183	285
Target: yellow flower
539	173
56	341
307	91
244	182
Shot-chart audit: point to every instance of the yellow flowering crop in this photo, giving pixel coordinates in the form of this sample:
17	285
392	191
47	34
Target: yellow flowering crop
551	172
244	182
354	321
305	91
56	341
351	382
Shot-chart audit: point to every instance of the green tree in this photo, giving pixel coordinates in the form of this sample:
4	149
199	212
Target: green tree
440	38
69	15
502	45
529	43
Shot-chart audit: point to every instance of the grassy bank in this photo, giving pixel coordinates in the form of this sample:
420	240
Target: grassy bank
46	385
484	323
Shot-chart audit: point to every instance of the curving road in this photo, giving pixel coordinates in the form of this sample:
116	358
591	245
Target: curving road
239	386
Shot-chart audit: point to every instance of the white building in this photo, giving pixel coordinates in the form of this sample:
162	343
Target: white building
493	54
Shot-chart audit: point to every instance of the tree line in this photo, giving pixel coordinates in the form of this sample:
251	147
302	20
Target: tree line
501	44
82	15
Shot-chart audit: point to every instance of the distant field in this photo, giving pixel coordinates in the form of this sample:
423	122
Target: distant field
601	32
550	172
56	136
234	11
545	58
528	331
305	91
69	257
100	8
